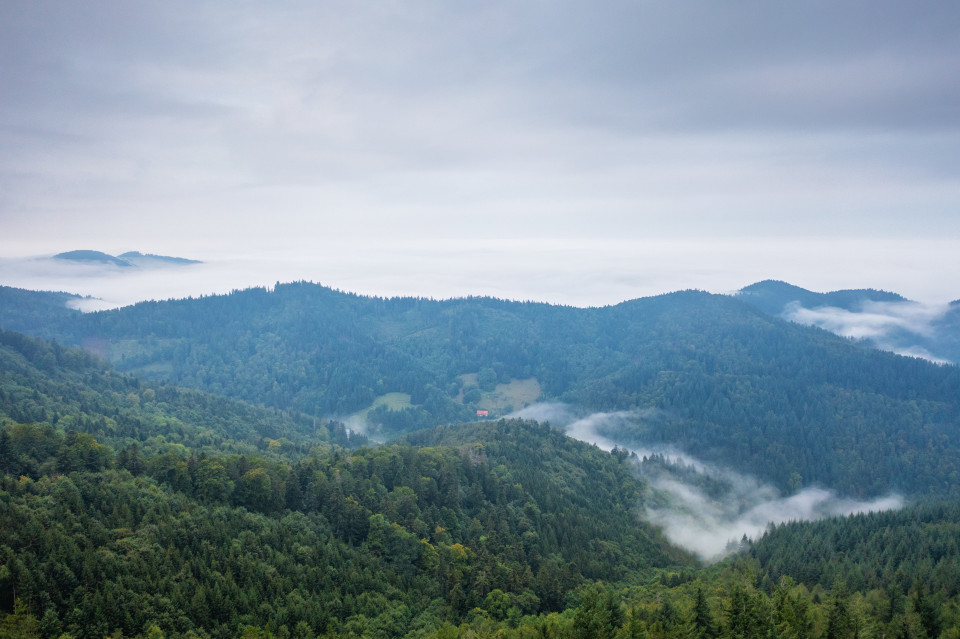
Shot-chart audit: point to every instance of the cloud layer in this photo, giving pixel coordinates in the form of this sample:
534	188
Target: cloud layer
899	327
710	525
208	128
578	272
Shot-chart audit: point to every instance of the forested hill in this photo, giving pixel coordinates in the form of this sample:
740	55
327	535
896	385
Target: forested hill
35	312
729	382
876	318
772	296
51	388
126	510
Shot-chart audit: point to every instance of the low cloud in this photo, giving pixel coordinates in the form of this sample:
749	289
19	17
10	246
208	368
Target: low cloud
557	413
104	286
712	527
606	431
875	319
591	428
572	271
700	507
898	327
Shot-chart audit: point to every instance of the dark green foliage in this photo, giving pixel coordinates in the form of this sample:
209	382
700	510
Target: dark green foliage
926	612
127	535
107	526
869	551
772	296
727	382
791	611
560	476
703	623
34	312
840	624
42	382
599	615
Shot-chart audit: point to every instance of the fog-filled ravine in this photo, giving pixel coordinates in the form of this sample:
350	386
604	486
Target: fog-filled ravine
707	509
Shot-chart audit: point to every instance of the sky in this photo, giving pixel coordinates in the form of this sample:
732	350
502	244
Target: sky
576	153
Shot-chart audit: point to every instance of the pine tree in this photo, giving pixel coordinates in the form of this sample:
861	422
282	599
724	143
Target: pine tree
703	622
927	612
838	620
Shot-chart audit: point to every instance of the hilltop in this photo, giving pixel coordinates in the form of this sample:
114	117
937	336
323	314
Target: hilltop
707	374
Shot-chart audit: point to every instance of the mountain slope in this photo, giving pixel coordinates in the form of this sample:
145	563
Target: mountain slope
378	541
876	319
193	532
771	296
706	373
44	383
873	550
37	313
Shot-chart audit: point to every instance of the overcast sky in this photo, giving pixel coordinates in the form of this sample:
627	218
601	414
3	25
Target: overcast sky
580	153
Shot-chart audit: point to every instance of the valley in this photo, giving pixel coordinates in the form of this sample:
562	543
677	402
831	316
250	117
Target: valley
305	462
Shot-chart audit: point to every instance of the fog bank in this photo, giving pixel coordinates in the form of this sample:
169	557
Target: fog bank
898	327
710	523
712	528
575	272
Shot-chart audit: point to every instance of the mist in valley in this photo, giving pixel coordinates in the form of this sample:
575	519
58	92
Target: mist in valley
908	328
701	507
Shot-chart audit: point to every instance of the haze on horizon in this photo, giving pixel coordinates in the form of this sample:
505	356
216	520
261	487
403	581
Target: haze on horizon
558	152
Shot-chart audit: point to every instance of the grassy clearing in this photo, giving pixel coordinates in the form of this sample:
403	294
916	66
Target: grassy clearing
505	398
393	401
520	392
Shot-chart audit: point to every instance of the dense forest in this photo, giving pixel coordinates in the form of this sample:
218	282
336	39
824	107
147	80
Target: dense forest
119	514
905	326
733	384
131	508
43	382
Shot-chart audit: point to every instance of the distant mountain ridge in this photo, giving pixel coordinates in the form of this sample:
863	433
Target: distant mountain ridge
128	259
878	319
772	296
138	257
84	255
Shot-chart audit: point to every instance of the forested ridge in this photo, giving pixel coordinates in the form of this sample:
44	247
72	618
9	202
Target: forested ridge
134	509
868	551
43	382
375	539
734	385
904	326
107	528
772	296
